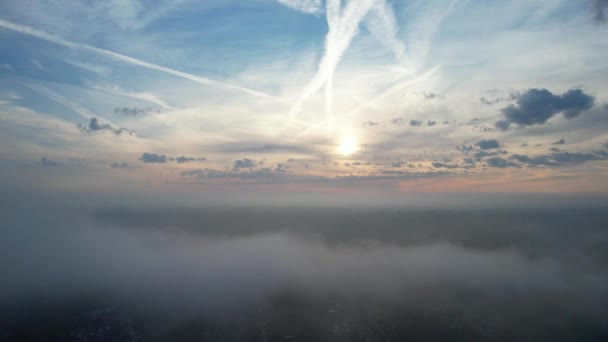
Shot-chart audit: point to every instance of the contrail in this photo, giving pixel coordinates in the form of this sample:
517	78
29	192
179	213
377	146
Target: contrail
343	26
376	99
342	29
131	60
85	113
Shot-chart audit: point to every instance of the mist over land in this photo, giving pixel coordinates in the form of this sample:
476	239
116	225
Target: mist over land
307	273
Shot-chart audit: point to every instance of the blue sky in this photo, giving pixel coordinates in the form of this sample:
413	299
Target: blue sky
293	95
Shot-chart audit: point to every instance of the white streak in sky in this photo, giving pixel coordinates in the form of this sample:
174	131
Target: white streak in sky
148	97
342	29
397	87
123	58
85	113
306	6
343	26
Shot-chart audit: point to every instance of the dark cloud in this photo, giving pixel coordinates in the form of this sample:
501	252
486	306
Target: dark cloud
597	8
559	142
153	158
482	154
416	123
134	111
559	158
182	159
398	121
281	167
444	165
464	149
95	126
537	106
502	125
499	162
489	101
122	165
431	123
44	161
245	164
430	96
488	144
494	100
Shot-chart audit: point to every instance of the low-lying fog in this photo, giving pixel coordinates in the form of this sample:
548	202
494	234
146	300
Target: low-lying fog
306	274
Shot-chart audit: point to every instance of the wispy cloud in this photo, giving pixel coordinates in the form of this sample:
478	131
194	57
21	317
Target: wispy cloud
127	59
116	90
343	25
306	6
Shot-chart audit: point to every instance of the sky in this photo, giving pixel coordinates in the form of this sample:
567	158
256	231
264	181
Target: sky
292	97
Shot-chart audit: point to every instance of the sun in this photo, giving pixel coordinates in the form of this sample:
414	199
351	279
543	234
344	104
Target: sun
348	145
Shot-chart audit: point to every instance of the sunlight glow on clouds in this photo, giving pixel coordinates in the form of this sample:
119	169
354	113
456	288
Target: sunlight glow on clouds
326	93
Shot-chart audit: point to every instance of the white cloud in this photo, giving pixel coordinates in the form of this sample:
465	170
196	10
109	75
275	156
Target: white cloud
126	59
143	96
96	68
306	6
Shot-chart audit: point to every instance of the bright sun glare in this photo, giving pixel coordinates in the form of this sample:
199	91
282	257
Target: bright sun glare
347	146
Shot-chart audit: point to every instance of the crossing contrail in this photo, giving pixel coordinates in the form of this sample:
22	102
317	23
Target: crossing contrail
343	23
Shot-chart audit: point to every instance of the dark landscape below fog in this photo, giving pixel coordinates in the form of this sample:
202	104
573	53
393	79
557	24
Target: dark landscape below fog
281	274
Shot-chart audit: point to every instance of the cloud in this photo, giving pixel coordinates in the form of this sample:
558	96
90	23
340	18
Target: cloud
134	111
502	125
488	144
494	100
598	7
38	64
343	23
398	121
182	159
153	158
559	142
559	158
444	165
464	149
145	96
430	96
162	159
245	164
266	175
126	59
94	126
483	154
45	162
499	162
7	67
537	106
431	123
281	167
251	147
416	123
306	6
